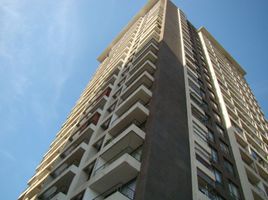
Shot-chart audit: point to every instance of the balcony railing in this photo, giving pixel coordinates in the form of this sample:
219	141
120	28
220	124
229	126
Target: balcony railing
124	190
261	192
134	153
138	113
132	137
120	170
56	196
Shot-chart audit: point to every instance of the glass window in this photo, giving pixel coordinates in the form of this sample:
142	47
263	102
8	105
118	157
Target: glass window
211	136
200	132
98	144
218	118
79	196
218	176
200	116
214	155
220	130
254	154
233	190
224	148
228	167
129	189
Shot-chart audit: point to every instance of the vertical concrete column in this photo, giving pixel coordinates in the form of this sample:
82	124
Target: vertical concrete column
166	169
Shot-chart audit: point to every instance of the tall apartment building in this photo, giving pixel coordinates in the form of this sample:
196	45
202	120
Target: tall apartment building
167	116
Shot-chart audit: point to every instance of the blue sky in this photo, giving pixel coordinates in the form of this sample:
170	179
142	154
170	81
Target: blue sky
48	51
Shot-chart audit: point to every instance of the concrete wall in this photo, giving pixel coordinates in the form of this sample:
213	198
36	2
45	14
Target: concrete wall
167	140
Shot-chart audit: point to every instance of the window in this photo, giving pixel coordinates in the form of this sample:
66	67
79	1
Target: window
200	132
202	152
117	93
98	144
214	105
106	124
218	176
200	116
228	167
95	118
224	148
79	196
195	98
203	161
233	190
220	130
192	75
218	118
214	155
129	189
193	86
121	82
107	92
112	107
89	169
212	95
205	184
211	136
254	154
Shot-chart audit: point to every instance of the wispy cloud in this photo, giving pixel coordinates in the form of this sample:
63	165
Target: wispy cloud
34	53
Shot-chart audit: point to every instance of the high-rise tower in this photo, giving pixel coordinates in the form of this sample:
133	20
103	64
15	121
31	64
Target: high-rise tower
167	116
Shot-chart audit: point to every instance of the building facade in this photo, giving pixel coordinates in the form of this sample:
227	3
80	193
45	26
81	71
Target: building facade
168	115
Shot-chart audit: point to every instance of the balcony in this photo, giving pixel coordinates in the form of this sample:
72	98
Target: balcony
87	119
149	56
73	158
245	155
99	104
142	94
131	138
138	69
240	138
147	42
149	36
109	81
117	196
117	171
258	193
207	190
72	148
36	187
138	113
60	184
117	192
204	195
150	46
80	137
59	196
144	79
263	170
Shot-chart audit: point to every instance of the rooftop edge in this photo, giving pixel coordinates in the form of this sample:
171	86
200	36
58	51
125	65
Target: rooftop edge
208	34
147	7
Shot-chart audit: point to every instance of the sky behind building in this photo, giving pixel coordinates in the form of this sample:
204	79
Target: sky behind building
48	52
